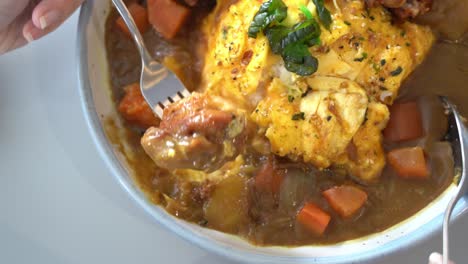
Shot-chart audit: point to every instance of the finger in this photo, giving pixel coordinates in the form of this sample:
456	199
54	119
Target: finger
13	39
436	258
9	10
51	13
31	32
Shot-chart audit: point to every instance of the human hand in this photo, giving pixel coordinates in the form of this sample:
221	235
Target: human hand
436	258
22	21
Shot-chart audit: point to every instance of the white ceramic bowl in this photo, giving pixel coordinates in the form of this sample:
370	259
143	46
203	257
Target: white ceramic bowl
97	105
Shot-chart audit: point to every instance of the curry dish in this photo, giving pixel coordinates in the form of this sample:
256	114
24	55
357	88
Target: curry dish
310	121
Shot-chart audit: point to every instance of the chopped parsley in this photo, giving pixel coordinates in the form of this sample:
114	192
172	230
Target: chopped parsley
298	116
364	56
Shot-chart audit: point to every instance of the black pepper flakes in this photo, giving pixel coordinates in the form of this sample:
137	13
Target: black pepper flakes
309	89
397	71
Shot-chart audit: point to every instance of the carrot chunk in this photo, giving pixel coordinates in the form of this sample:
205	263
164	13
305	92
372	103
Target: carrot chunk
167	16
268	179
405	122
409	162
345	200
134	108
313	218
140	16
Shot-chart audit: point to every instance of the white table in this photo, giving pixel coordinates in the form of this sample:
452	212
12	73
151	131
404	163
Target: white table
59	203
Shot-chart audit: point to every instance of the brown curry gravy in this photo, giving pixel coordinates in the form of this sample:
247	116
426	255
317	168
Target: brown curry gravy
391	201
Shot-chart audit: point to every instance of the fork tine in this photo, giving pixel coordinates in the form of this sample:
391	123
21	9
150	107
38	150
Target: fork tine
185	93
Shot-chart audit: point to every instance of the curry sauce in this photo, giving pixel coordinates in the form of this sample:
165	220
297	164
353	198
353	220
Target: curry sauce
234	204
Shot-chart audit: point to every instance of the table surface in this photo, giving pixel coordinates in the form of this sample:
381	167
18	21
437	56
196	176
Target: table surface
59	203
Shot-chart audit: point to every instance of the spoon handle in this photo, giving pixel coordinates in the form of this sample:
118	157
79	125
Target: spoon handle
128	19
460	148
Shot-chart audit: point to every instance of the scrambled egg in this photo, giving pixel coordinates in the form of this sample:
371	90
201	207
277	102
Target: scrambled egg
336	115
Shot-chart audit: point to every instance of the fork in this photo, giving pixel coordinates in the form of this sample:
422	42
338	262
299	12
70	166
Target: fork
458	137
159	86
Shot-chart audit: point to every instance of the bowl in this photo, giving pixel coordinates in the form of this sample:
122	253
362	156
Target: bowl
98	107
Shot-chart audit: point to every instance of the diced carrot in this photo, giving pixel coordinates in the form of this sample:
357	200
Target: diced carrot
134	108
313	218
268	179
405	122
409	162
140	16
167	16
346	200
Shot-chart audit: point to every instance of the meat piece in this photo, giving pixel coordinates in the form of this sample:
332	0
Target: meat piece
134	108
196	133
393	3
404	9
413	8
191	2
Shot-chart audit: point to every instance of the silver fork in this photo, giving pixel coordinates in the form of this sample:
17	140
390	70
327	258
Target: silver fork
459	140
160	86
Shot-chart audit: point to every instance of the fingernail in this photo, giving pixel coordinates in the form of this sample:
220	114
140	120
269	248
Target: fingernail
48	19
28	37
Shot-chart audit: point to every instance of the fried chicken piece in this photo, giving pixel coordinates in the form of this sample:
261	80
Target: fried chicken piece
200	132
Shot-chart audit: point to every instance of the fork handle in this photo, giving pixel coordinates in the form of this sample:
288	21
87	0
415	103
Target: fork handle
128	19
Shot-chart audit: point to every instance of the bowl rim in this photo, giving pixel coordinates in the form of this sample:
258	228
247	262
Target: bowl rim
104	149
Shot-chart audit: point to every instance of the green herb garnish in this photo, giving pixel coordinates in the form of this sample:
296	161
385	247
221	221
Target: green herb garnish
269	12
306	12
397	71
323	13
297	59
291	43
364	56
303	32
275	35
298	116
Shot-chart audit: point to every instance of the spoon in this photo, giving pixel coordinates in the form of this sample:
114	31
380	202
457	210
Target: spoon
153	74
458	137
